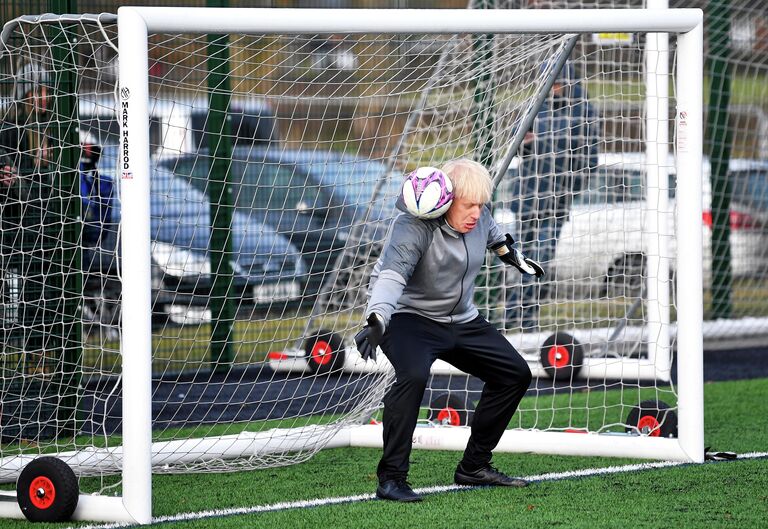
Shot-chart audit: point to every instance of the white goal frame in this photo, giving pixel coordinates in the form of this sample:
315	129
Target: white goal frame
134	26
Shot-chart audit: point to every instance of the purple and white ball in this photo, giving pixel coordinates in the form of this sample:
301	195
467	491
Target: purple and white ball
427	193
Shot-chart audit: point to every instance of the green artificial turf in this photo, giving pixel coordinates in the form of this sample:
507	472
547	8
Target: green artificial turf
727	494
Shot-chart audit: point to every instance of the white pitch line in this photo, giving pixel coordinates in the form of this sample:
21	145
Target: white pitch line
320	502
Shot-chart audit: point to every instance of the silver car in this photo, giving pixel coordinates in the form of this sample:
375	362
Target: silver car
603	240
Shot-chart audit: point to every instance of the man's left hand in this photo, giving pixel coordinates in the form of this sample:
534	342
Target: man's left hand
369	338
514	257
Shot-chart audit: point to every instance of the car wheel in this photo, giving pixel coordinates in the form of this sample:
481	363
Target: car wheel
451	410
652	418
324	351
562	356
47	490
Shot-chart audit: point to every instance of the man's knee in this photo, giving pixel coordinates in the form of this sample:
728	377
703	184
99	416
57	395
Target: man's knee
408	389
521	373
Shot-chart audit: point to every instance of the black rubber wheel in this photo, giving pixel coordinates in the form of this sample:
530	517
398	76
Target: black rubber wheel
47	490
451	409
324	351
652	418
562	356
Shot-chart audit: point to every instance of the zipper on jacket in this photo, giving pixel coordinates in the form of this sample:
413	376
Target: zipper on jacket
461	283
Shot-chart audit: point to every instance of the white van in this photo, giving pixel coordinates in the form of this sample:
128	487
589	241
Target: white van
177	126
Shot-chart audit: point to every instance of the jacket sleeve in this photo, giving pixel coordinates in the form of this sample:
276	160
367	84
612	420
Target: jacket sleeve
409	238
494	232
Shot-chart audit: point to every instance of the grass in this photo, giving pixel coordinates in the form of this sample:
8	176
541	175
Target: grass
642	499
693	496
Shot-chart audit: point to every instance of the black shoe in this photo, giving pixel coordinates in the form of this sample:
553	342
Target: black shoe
396	490
486	476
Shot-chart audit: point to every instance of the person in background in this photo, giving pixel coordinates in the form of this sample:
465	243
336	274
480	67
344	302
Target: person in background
557	155
23	144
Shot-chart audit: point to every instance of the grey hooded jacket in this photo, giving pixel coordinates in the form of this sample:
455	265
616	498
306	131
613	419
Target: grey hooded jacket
428	268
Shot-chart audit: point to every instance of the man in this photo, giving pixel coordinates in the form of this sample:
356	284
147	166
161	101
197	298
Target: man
556	158
23	142
23	158
421	309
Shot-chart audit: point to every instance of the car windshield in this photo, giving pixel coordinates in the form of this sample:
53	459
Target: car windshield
272	186
353	182
750	188
277	186
613	185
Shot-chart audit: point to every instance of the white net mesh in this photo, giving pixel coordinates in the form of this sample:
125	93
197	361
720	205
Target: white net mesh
276	161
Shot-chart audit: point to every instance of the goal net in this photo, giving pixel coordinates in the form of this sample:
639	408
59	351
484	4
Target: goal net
187	235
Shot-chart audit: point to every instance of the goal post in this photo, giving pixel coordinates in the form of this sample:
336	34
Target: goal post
689	125
359	97
135	23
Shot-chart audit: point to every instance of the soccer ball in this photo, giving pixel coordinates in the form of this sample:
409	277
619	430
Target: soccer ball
427	193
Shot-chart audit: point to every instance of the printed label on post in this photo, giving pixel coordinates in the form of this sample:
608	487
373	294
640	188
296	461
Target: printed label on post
682	131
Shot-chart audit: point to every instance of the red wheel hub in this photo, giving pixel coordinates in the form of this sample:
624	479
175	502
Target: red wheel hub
559	356
321	352
649	425
42	492
450	416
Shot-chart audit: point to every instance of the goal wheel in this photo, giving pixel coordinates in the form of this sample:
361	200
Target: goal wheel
652	418
562	356
47	490
451	410
324	351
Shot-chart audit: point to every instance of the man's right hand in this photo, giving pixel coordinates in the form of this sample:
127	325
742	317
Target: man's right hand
369	338
513	257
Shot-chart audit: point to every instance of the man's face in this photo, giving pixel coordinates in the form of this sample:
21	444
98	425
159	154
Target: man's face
463	214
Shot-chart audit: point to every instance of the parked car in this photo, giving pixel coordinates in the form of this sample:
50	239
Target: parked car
603	239
267	268
315	198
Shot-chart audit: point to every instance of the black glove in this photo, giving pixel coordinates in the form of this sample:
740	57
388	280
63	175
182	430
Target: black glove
369	338
512	256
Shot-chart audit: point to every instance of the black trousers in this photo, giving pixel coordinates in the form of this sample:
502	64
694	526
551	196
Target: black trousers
412	343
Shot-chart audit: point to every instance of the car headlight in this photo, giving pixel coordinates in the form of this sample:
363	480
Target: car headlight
179	262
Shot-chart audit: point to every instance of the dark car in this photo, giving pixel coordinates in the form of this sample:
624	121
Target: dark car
318	199
266	267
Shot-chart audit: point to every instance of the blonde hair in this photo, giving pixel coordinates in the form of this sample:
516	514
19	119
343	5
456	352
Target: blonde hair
471	180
